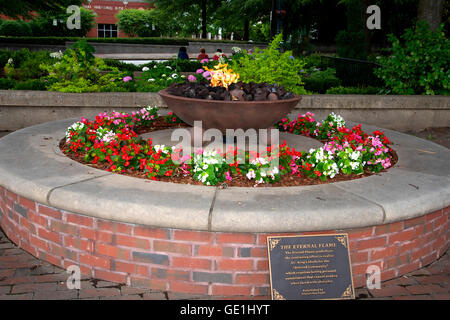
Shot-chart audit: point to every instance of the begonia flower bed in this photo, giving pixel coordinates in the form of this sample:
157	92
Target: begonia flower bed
111	142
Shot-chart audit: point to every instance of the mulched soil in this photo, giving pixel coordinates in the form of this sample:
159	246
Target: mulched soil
238	181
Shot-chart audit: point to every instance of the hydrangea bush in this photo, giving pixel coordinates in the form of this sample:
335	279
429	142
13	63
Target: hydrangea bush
112	139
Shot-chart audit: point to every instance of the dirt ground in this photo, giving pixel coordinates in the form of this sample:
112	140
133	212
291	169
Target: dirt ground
437	135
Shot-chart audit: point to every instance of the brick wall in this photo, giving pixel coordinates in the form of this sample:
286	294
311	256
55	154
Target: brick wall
214	263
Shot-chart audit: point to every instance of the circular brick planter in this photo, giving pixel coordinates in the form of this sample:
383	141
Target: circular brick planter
210	241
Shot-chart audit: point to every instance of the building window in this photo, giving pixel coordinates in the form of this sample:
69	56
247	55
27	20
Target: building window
107	31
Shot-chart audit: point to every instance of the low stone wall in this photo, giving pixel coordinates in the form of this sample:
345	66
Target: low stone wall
200	262
20	109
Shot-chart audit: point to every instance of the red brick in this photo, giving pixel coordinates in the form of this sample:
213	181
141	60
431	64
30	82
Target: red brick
389	228
437	279
433	215
49	235
169	274
388	274
96	235
28	248
371	243
151	232
51	212
421	252
169	246
38	219
94	261
30	227
235	238
198	236
214	251
414	222
409	246
258	252
124	267
110	276
262	265
27	203
399	260
79	220
77	243
235	264
252	278
39	243
383	253
112	251
187	287
408	268
115	227
360	233
359	257
194	263
50	258
224	290
61	227
130	241
406	235
11	195
358	269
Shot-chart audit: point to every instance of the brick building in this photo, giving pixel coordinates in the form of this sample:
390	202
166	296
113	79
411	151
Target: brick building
106	22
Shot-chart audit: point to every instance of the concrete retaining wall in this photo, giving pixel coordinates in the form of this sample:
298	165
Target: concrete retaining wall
20	109
129	48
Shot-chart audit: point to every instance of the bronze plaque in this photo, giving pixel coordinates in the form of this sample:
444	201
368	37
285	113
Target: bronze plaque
310	267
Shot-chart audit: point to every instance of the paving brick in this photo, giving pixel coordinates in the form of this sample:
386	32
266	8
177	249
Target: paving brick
33	287
23	296
56	295
425	289
102	292
391	291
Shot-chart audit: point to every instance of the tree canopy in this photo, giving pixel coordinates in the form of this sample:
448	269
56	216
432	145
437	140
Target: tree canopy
25	8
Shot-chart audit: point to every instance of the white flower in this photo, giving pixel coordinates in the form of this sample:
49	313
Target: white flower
163	75
251	174
151	80
145	69
355	155
174	76
169	67
10	61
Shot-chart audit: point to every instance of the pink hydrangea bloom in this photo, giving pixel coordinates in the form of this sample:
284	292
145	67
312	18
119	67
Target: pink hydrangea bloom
192	78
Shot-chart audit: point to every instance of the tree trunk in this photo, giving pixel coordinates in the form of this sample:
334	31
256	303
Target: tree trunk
431	12
204	19
246	29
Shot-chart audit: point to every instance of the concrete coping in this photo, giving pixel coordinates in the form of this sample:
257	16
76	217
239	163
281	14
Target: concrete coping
32	166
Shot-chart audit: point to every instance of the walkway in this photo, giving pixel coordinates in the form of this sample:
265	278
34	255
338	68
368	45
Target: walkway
24	277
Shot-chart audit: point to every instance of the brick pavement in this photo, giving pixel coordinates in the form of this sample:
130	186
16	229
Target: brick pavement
25	277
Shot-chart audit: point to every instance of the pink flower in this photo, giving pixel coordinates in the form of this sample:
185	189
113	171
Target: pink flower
192	78
204	61
206	74
199	71
127	78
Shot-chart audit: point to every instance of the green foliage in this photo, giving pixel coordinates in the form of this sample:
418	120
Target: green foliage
319	81
354	90
6	84
351	44
31	84
271	66
79	71
15	28
43	26
418	64
136	22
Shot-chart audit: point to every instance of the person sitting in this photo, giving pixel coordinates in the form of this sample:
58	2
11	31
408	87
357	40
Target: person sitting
182	54
202	54
218	54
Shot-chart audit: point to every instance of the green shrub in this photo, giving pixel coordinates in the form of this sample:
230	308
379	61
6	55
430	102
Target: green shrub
419	64
15	28
31	84
354	90
122	66
271	66
319	81
6	84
